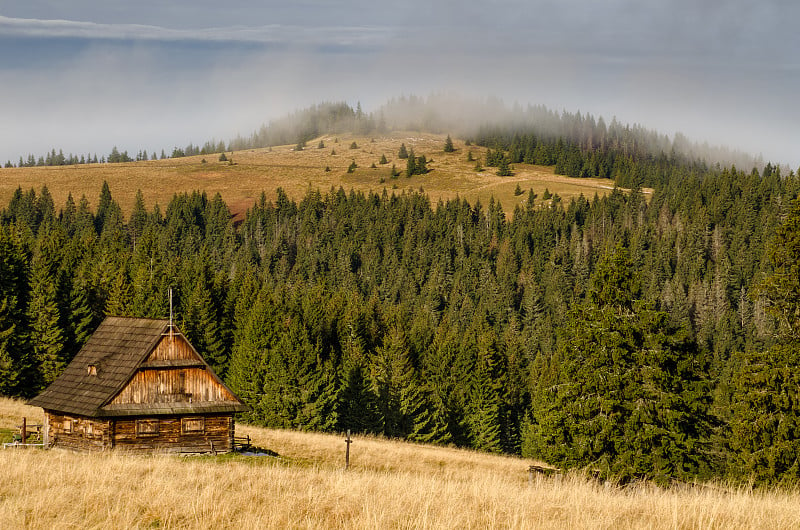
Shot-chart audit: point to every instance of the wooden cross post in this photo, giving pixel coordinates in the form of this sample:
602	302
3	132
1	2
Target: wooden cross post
23	434
348	441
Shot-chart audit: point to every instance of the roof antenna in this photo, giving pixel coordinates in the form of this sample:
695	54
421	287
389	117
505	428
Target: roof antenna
171	332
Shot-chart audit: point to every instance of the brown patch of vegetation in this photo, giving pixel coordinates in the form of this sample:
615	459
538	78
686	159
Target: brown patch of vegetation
241	180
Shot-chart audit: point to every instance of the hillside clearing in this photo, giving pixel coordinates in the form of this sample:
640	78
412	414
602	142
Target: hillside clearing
390	485
257	170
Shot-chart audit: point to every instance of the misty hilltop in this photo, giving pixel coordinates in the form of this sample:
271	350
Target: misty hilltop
85	77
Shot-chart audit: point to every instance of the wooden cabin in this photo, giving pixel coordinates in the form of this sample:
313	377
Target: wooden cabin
139	385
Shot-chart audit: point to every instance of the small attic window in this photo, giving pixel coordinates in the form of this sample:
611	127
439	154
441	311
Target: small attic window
91	369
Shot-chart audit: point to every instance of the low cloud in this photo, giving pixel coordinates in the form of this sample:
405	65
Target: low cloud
722	72
354	36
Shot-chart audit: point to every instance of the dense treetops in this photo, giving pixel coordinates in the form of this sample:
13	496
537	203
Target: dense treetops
637	338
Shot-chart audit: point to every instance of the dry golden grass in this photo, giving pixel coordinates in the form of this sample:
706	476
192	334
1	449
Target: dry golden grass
266	170
390	485
13	410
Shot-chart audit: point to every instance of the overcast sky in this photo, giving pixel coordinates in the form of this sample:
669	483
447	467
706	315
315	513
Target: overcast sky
86	75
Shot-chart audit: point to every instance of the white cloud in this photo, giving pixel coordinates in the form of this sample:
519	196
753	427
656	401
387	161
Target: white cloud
354	36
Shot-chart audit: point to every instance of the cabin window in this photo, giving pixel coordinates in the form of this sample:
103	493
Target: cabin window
147	427
89	429
68	426
193	425
91	369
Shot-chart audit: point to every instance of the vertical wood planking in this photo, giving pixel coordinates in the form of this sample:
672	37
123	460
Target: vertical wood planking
172	385
182	350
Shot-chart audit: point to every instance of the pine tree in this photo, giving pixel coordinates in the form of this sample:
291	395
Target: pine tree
421	165
503	168
383	159
402	153
763	435
393	378
258	332
624	395
201	324
47	337
138	217
81	320
411	164
319	387
9	369
448	145
18	375
357	405
120	298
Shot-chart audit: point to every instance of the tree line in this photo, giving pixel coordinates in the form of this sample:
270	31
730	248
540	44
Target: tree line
640	337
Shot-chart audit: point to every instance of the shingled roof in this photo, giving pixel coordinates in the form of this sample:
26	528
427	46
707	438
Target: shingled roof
117	348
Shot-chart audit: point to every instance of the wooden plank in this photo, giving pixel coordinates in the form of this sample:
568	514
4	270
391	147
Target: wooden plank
170	437
173	386
181	350
84	433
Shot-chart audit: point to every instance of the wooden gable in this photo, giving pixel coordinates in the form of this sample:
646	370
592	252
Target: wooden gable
173	373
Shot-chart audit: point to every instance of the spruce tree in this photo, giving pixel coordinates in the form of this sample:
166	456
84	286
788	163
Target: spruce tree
421	167
411	164
357	405
9	365
763	435
503	168
201	324
258	332
16	358
47	337
448	145
138	217
319	387
402	153
625	395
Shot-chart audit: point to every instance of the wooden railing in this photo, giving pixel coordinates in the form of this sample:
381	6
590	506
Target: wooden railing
29	435
241	443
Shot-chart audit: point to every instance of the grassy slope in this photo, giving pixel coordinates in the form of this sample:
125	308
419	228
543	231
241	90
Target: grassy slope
265	170
390	485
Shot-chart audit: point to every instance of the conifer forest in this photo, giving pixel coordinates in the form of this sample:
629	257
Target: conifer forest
639	336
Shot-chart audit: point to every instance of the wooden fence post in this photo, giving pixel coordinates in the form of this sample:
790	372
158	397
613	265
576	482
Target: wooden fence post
348	441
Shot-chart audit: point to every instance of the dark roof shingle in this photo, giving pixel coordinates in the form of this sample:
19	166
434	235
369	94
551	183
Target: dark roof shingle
116	348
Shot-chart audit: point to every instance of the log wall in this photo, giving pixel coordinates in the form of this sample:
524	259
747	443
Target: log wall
216	436
82	433
161	434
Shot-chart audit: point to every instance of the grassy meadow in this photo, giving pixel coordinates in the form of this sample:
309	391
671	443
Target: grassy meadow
257	170
389	485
